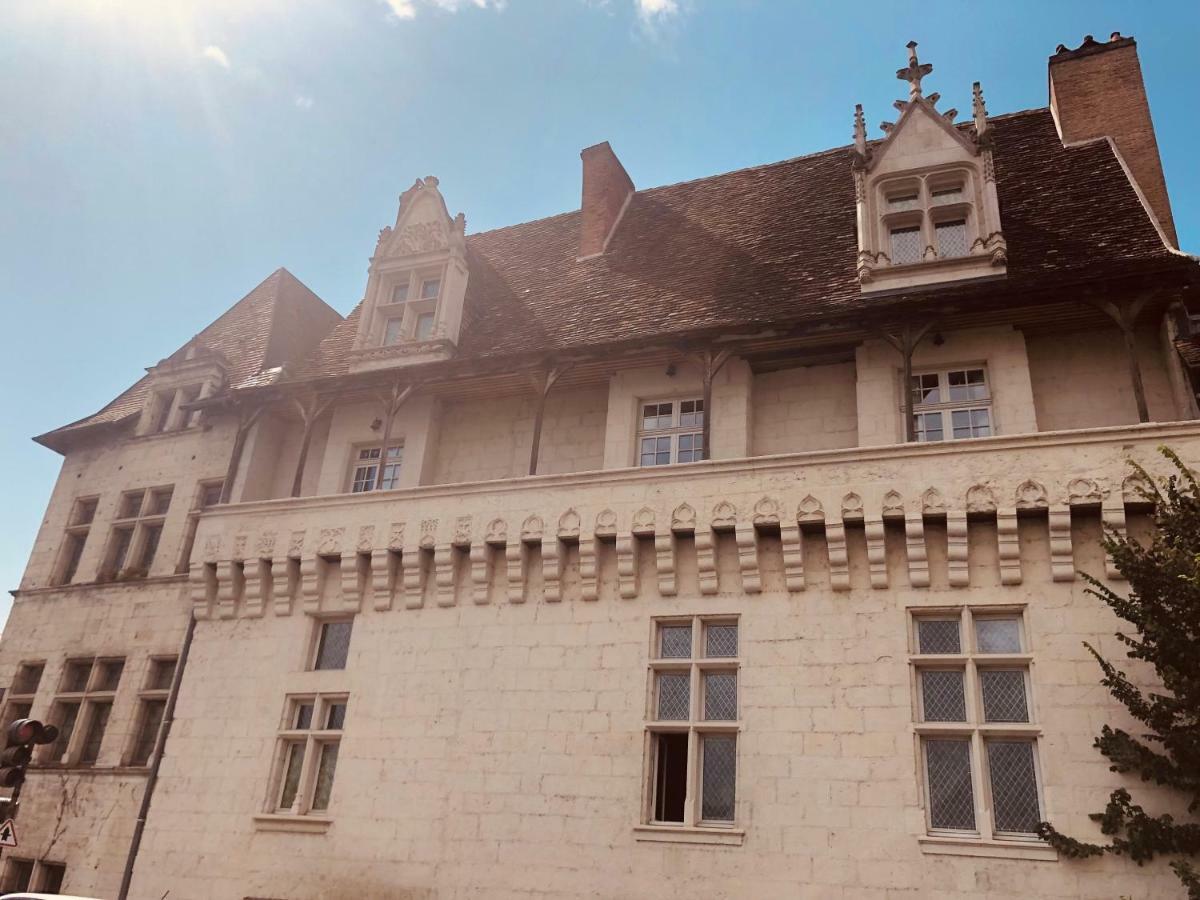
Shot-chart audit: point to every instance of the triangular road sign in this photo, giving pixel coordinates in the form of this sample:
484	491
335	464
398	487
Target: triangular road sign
8	834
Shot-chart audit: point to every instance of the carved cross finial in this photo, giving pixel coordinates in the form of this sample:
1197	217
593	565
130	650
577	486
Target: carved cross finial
860	130
915	72
979	109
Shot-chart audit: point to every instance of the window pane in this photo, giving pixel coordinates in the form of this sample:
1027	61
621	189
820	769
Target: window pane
95	733
967	384
424	329
1014	786
85	512
122	537
430	288
951	800
691	413
675	641
75	677
152	716
928	426
52	878
364	479
29	676
656	416
1003	695
291	777
721	640
943	698
674	694
393	331
720	696
108	674
304	713
18	875
160	502
951	239
325	769
71	556
400	293
149	546
925	389
691	447
646	457
938	636
131	505
670	776
210	495
720	771
960	420
335	719
334	645
981	423
906	245
162	673
998	635
662	451
67	714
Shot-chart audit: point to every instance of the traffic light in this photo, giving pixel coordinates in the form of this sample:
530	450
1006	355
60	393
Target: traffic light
19	741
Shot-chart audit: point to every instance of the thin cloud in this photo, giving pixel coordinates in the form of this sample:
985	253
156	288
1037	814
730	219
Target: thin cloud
407	9
303	102
401	9
215	54
656	10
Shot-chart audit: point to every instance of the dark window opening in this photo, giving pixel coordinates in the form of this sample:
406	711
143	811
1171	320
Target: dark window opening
670	776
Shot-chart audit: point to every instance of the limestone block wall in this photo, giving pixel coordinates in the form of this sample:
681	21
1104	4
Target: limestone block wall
84	816
497	676
806	408
182	459
1081	379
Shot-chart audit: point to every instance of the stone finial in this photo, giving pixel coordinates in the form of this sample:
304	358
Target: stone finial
860	130
914	72
979	110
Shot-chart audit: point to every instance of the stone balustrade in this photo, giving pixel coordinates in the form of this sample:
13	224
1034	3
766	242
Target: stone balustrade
611	533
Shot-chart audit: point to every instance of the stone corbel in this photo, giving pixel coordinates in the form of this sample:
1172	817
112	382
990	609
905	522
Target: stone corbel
1062	562
310	584
1112	514
410	576
839	560
381	579
918	555
227	585
285	570
256	579
876	552
1008	542
957	549
353	581
203	589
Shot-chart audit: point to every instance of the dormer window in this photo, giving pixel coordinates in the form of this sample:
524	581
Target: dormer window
412	307
927	207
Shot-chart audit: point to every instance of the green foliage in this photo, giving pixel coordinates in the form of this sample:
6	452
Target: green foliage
1163	606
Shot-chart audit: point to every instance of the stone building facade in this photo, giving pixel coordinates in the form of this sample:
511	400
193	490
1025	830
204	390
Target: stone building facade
718	539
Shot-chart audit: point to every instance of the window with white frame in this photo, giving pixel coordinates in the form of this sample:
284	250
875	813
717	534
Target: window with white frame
692	727
367	473
671	431
951	404
136	531
409	307
83	513
975	724
307	753
82	708
930	211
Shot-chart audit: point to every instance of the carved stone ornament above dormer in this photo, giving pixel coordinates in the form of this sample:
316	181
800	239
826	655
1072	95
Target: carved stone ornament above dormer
927	207
412	309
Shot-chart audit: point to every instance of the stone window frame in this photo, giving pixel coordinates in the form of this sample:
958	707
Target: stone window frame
974	729
947	407
41	875
88	704
202	500
79	525
357	463
165	411
927	213
416	307
694	827
19	702
671	433
144	525
292	733
154	695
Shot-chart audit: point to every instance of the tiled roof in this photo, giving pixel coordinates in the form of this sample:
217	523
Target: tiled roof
774	245
258	333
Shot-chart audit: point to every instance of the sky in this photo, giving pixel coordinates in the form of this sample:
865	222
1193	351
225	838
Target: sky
159	158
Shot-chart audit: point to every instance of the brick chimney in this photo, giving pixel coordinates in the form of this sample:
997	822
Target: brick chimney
607	187
1097	90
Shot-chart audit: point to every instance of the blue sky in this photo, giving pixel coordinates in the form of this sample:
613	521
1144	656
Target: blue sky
158	158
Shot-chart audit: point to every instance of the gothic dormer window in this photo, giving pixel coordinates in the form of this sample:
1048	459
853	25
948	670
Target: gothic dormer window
926	194
412	310
192	374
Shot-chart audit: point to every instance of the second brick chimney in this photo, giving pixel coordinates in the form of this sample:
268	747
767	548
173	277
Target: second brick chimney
607	187
1096	90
